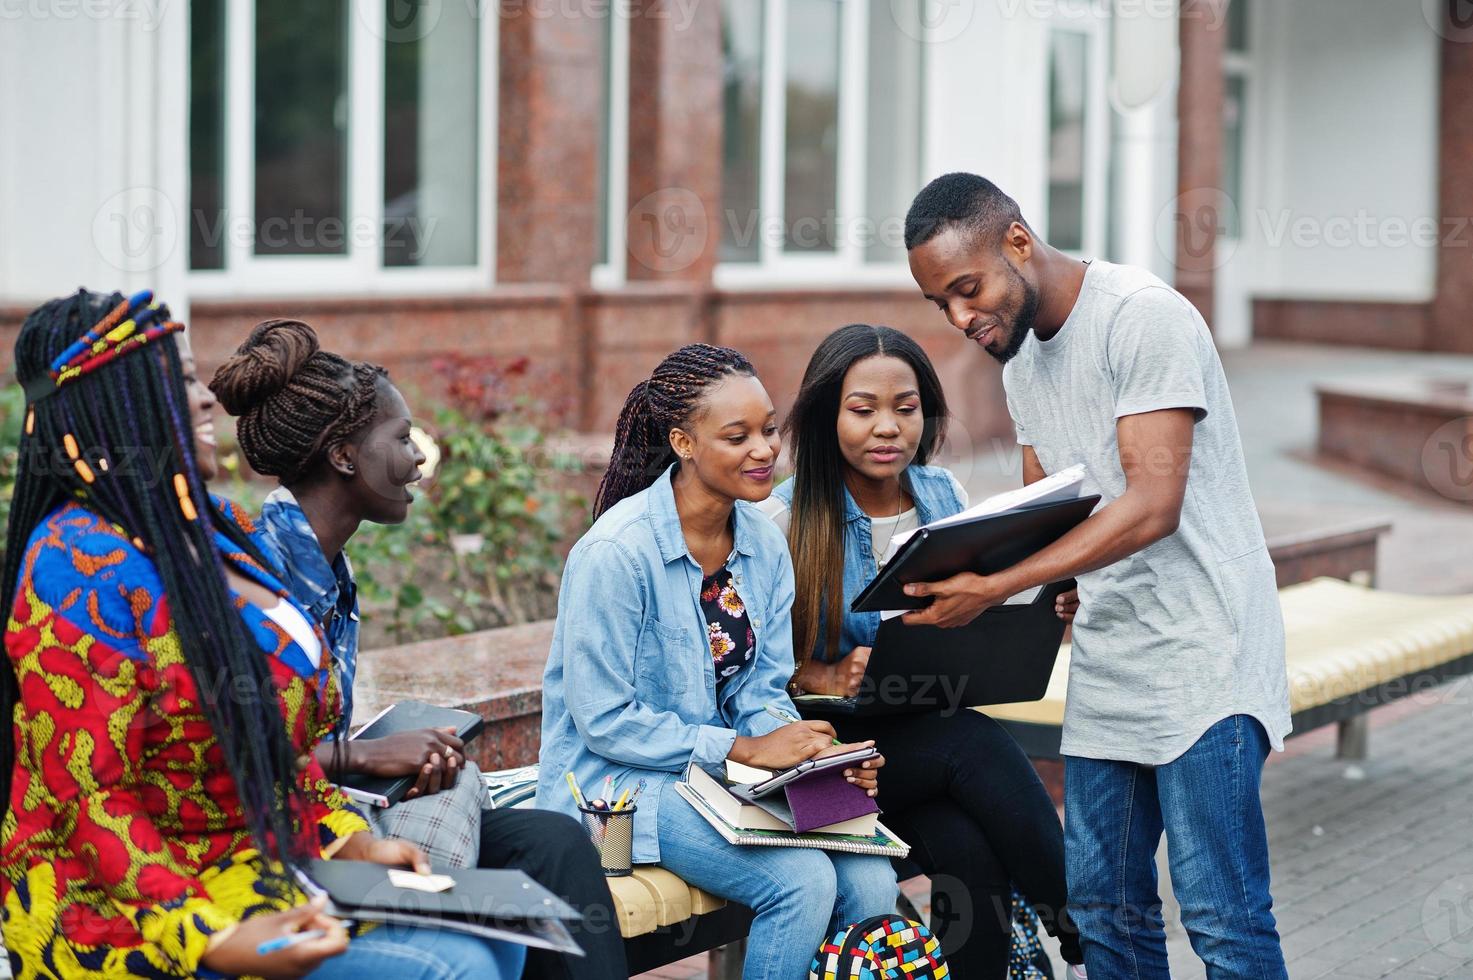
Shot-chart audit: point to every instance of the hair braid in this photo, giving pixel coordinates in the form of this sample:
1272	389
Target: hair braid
667	400
294	400
130	428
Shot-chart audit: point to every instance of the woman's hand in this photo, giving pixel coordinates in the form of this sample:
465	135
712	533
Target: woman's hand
784	748
236	955
841	678
1067	605
864	776
436	754
363	846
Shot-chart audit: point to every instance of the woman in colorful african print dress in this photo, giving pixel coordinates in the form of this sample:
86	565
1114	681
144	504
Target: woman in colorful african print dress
165	692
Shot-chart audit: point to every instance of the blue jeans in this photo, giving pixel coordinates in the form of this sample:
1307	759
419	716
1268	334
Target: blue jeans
1207	803
800	895
414	953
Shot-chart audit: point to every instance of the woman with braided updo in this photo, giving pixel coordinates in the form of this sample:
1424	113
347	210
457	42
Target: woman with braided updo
163	692
337	434
674	634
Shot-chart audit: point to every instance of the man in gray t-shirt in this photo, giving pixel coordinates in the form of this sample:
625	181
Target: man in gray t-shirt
1177	686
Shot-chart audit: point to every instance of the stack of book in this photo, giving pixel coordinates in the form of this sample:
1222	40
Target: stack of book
815	807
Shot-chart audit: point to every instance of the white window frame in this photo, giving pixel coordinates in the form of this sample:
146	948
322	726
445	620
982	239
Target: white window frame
847	264
1093	22
1239	64
612	272
361	269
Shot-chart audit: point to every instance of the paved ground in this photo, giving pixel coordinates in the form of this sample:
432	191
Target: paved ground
1373	864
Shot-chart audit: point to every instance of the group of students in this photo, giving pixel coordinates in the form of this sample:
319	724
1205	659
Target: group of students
180	671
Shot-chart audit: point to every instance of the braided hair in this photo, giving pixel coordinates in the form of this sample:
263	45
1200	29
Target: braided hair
667	400
132	419
294	400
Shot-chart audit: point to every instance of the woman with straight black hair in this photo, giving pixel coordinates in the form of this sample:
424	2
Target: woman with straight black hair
163	693
868	419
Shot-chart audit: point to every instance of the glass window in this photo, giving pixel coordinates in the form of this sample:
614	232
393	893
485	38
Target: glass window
1068	72
1232	151
207	134
893	140
430	107
301	127
1237	25
741	152
811	148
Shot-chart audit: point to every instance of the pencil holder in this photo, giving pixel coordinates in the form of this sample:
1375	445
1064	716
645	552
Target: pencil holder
612	833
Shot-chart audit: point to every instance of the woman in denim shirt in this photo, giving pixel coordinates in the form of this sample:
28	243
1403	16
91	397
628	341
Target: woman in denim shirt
674	633
869	415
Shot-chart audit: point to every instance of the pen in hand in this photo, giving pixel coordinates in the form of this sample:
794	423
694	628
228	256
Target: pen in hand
783	716
286	942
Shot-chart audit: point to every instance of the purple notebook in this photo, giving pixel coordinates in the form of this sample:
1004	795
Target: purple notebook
825	797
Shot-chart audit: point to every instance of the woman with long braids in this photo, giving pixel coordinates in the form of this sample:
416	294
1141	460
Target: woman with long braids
870	414
165	692
337	434
672	636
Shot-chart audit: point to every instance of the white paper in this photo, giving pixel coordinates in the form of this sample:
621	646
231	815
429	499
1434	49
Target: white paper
1060	486
400	878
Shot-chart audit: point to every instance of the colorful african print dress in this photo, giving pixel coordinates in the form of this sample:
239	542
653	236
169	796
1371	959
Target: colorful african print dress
124	848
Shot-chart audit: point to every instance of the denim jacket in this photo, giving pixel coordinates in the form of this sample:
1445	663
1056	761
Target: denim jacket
629	690
936	493
328	591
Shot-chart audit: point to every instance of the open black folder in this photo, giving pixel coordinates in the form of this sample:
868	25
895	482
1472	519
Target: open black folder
984	545
491	903
1006	654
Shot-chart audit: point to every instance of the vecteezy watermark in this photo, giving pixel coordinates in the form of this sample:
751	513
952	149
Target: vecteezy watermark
933	21
136	230
302	233
1361	229
1447	460
1194	224
1214	12
1447	916
1451	19
148	13
667	230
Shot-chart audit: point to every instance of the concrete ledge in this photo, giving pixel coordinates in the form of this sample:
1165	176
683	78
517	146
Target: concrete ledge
498	673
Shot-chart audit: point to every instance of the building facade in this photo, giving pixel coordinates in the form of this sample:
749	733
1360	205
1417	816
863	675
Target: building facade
590	183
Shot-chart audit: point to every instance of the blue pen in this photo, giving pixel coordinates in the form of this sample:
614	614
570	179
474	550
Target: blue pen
285	942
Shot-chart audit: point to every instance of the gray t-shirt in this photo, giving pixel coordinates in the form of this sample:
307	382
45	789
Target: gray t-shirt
1186	632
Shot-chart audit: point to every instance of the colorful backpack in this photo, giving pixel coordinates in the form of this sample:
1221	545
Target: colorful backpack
885	947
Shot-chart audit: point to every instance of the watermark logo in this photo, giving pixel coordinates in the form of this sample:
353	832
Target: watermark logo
932	21
1194	224
404	21
149	13
667	230
136	230
1447	916
1451	19
1447	460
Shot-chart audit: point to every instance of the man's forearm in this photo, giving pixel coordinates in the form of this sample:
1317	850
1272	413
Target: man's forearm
1118	530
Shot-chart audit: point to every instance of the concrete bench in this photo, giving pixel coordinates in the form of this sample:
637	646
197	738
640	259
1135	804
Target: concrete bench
1350	648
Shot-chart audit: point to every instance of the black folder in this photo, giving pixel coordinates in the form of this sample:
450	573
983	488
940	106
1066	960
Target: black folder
491	903
405	716
1005	655
984	545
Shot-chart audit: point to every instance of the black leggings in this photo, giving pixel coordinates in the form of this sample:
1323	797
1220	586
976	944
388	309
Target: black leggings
961	792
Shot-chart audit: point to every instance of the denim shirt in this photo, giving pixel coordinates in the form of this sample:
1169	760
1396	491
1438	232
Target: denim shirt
936	493
629	690
328	591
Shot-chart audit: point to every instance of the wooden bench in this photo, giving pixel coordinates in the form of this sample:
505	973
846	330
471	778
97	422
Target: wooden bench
1350	648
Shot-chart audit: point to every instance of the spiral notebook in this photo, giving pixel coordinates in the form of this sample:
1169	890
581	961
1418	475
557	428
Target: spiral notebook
881	842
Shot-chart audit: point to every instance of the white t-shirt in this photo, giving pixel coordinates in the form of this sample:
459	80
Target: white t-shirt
1188	631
